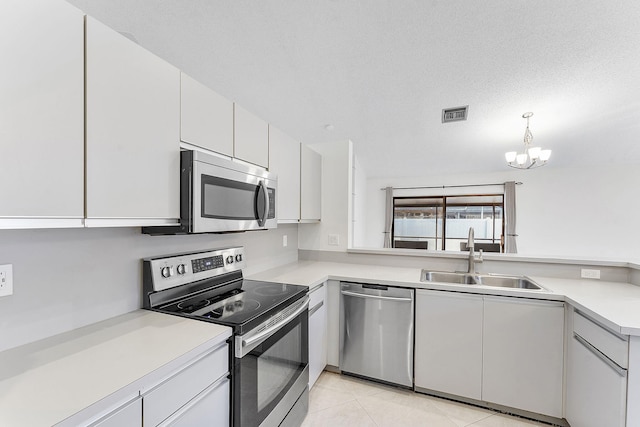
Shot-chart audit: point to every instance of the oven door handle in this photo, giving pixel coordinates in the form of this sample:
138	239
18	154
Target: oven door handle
244	346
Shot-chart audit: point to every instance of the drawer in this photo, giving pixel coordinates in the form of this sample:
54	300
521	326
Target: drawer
177	390
316	294
611	344
128	415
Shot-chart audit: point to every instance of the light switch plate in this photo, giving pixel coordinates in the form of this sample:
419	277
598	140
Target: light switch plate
284	241
589	274
6	280
334	239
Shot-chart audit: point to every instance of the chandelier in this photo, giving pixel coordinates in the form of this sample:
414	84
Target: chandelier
531	157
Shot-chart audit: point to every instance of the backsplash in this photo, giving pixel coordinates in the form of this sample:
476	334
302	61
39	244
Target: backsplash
68	278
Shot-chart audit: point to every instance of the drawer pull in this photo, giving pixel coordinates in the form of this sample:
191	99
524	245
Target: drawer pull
613	365
316	308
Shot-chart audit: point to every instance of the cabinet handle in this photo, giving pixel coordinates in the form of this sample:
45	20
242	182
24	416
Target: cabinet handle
315	288
354	294
207	391
316	308
613	365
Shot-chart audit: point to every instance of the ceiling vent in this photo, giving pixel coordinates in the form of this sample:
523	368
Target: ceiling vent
455	114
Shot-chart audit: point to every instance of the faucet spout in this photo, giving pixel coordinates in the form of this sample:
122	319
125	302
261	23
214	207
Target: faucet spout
472	255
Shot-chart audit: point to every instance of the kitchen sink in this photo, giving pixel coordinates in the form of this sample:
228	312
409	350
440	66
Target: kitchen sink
496	280
518	282
448	277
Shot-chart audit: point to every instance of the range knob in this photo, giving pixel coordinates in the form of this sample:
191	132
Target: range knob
181	269
230	259
238	257
166	272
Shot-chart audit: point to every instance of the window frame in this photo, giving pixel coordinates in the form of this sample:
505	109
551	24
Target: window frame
444	204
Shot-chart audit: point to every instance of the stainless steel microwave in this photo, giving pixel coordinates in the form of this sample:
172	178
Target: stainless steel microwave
219	195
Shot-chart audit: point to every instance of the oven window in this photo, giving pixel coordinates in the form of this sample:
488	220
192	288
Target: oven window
278	366
227	199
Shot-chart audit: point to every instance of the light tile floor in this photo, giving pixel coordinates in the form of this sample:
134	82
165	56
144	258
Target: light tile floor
339	400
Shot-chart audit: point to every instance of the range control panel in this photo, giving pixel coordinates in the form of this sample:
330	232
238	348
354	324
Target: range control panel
176	270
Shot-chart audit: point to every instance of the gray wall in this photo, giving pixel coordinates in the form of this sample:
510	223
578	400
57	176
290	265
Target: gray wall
65	279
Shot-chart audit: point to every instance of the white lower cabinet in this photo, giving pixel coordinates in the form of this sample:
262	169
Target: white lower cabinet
596	384
523	354
333	323
501	350
181	400
209	408
317	332
129	414
448	345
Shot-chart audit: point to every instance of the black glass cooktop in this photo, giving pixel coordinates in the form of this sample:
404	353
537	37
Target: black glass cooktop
243	305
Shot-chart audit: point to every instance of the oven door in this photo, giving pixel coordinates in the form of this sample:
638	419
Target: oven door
231	197
271	376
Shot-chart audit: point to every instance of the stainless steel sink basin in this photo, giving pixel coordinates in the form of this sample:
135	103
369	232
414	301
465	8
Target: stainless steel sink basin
448	277
517	282
500	281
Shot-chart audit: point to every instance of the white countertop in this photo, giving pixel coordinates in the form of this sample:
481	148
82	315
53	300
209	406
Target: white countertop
49	381
616	305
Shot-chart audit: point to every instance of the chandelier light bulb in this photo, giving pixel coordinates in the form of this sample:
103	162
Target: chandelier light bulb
534	152
544	155
511	156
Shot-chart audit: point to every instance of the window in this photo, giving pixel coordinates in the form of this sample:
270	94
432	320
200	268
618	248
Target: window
442	223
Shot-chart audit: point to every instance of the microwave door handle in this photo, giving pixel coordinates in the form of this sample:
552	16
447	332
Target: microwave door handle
263	189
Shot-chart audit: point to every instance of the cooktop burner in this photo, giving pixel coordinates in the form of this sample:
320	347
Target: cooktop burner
271	290
239	307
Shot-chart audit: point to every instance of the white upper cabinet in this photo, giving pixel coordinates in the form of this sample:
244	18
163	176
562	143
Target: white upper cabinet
310	185
251	137
132	132
41	114
206	118
284	160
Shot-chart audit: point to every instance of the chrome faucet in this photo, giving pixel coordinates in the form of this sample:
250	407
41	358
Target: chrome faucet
472	256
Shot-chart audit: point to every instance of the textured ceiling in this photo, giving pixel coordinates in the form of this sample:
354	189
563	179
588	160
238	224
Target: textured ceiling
381	71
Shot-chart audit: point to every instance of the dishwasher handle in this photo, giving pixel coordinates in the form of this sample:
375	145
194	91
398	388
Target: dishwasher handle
359	295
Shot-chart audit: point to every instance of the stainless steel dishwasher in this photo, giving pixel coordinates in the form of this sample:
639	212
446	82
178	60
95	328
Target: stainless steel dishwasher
376	332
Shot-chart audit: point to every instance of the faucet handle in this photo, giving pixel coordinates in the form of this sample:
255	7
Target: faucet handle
480	256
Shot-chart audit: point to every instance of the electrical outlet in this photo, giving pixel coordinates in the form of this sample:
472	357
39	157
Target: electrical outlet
6	280
589	274
284	241
334	239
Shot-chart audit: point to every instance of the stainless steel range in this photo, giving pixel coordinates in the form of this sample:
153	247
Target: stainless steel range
270	341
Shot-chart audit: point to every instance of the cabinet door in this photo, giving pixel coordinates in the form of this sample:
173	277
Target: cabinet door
133	132
317	334
284	160
210	408
41	114
310	185
251	137
596	388
206	118
333	322
449	343
128	415
523	354
174	393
